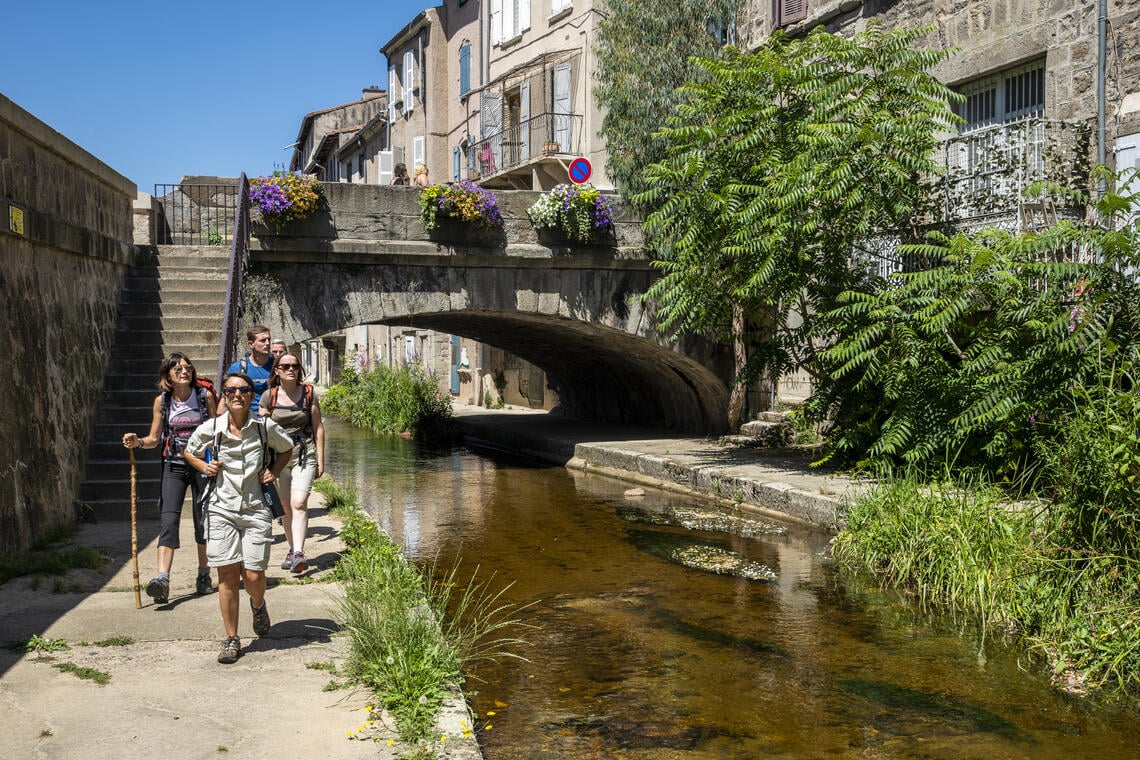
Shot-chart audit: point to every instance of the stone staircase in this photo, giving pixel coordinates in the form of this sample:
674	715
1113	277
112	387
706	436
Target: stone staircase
770	430
171	301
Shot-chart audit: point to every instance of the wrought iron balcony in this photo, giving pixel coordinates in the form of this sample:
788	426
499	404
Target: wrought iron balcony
989	170
542	136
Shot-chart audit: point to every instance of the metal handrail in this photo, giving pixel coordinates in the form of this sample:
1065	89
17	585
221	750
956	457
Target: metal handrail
195	213
239	255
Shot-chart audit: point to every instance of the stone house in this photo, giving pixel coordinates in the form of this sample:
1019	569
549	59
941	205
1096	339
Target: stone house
323	134
1034	83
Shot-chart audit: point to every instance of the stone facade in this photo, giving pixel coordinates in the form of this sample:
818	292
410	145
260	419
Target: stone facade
996	35
60	279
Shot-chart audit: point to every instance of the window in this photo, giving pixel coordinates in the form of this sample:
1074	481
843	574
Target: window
509	19
464	70
558	5
409	79
363	167
786	12
1002	98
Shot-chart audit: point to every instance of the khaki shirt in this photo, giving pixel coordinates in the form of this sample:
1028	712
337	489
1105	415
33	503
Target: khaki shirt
237	485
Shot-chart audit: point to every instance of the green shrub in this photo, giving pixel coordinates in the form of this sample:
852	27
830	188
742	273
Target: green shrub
392	400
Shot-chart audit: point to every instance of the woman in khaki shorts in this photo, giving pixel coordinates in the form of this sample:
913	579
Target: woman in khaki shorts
230	451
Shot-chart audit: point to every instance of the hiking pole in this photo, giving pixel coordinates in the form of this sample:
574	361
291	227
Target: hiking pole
135	532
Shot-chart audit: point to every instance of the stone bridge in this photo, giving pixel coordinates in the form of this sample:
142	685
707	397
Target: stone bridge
574	311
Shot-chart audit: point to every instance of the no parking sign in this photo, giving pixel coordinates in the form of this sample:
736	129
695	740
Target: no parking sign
580	170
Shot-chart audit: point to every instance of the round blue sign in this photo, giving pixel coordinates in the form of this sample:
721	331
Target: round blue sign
579	170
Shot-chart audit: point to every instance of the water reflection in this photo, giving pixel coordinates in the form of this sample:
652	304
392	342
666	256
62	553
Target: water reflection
639	656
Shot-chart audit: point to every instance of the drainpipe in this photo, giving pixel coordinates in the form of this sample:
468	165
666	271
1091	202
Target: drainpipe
481	55
423	91
1101	72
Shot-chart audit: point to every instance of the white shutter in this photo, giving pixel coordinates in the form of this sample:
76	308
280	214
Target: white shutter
409	79
510	18
387	165
497	21
562	107
418	151
523	17
524	121
392	96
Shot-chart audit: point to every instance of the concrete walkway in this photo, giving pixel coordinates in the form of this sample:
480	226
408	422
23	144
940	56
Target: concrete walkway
167	695
766	482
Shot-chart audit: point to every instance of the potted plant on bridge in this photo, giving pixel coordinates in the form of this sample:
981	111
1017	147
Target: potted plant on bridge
456	209
578	213
284	197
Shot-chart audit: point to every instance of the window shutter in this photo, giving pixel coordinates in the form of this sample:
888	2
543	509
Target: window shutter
524	121
497	21
386	167
392	96
491	124
523	17
418	152
455	164
464	69
561	109
409	79
786	12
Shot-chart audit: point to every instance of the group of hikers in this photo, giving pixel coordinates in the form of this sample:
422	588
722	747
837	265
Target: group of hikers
264	433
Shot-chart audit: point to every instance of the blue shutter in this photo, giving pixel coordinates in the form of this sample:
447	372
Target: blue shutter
464	69
455	164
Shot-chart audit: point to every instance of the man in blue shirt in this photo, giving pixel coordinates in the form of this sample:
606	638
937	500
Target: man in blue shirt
257	364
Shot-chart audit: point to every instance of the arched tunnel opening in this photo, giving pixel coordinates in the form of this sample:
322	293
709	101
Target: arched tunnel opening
599	373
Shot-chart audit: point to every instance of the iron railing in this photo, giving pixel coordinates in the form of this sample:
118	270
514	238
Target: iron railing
988	171
239	255
547	134
195	214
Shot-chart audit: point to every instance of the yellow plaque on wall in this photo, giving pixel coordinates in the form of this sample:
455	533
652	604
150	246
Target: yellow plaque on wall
16	220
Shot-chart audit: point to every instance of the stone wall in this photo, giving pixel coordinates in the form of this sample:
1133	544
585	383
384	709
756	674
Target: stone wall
993	35
60	277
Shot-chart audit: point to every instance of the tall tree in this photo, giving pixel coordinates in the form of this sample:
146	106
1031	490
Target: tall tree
644	55
781	165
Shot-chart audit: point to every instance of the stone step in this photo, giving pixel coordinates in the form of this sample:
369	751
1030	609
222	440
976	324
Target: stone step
176	296
166	284
210	320
205	333
764	434
170	310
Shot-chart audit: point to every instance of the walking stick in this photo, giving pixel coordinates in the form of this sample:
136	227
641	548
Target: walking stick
135	532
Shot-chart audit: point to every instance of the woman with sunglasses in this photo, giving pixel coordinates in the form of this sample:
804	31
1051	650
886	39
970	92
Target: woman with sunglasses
181	406
232	451
293	405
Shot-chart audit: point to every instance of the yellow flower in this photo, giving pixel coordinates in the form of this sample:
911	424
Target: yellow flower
368	709
348	734
490	713
487	727
443	738
391	742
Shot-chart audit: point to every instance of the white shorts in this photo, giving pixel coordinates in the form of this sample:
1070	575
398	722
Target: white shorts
297	481
244	537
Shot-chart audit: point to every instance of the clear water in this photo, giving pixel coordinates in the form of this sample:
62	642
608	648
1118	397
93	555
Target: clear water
636	655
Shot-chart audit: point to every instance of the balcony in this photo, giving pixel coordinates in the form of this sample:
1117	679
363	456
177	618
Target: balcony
504	159
989	170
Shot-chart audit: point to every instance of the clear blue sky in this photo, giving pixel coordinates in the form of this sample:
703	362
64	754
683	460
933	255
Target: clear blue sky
157	90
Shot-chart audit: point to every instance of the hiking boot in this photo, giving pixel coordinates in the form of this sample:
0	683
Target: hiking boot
158	589
231	650
289	558
260	618
203	585
300	565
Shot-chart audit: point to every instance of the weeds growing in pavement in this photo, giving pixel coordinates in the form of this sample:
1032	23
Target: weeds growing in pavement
87	674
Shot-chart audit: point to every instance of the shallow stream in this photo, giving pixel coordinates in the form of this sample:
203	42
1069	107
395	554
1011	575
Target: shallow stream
660	635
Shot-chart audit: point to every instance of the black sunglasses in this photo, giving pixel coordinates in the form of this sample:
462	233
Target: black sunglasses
235	390
289	366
